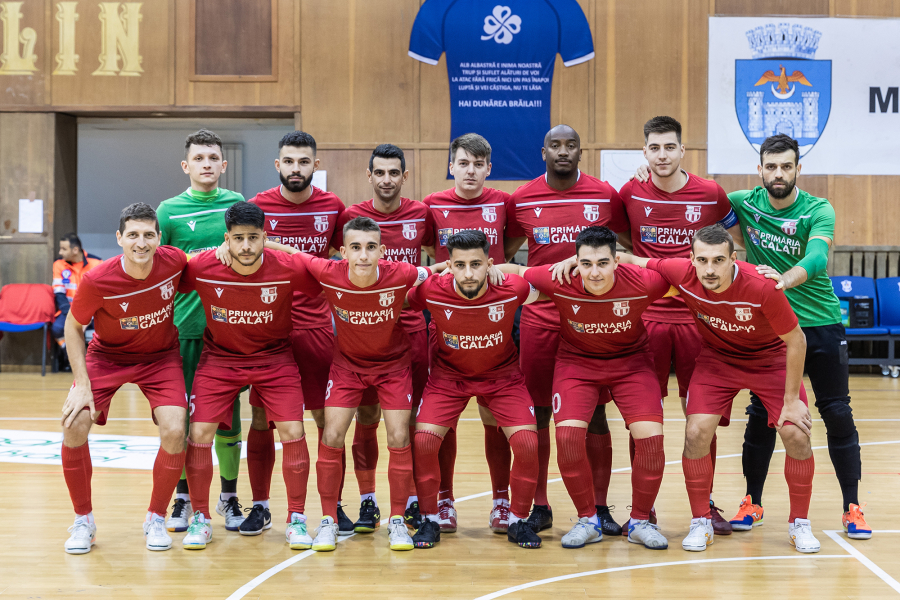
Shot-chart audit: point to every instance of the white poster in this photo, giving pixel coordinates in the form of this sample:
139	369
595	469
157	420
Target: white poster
831	84
618	166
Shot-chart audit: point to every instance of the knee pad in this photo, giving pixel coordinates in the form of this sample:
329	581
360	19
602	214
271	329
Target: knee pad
838	418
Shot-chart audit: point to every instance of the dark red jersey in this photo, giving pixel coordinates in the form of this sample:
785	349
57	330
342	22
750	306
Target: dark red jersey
452	214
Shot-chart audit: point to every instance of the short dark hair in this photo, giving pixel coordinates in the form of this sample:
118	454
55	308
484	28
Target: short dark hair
298	139
244	213
362	224
472	143
597	236
387	151
662	125
468	239
777	144
139	211
203	137
73	239
714	235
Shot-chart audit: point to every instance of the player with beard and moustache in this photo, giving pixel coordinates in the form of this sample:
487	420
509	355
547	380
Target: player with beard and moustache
405	228
550	211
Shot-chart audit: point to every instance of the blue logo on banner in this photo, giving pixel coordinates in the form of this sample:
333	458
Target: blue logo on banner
782	89
542	235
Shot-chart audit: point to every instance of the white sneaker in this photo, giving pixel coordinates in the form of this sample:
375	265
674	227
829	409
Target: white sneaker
398	534
584	532
181	515
155	533
447	517
802	538
199	533
646	533
700	535
296	534
326	536
231	510
83	536
499	519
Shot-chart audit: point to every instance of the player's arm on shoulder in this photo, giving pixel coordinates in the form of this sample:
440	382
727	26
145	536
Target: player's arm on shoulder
80	394
280	247
630	259
814	262
511	268
794	410
535	295
424	273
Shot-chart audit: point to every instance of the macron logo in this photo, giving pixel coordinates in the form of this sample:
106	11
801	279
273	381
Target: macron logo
192	224
339	294
219	292
448	313
273	223
648	210
446	212
537	211
576	308
124	306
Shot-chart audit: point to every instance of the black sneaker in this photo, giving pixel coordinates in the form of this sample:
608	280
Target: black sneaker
541	517
413	517
369	517
345	525
259	519
607	523
522	534
428	535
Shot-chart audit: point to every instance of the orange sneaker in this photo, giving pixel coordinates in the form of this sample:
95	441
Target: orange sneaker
749	516
855	523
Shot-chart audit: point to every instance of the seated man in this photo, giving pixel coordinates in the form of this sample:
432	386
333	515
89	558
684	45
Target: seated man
73	263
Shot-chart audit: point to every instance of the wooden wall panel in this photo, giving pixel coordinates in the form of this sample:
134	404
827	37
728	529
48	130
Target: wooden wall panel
347	174
235	38
869	8
31	86
25	141
327	54
771	7
65	165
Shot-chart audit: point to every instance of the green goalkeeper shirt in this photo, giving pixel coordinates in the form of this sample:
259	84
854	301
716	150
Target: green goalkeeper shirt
194	221
778	238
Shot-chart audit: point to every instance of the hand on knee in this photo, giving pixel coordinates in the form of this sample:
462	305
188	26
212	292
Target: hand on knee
796	443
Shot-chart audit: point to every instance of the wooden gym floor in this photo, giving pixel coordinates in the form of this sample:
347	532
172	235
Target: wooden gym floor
471	564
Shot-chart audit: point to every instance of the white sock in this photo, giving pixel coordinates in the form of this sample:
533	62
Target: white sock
710	499
435	518
263	503
594	520
298	517
447	501
88	518
225	496
153	516
499	501
411	500
513	519
185	497
371	497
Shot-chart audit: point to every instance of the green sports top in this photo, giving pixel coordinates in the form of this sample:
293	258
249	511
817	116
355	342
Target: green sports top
778	238
193	221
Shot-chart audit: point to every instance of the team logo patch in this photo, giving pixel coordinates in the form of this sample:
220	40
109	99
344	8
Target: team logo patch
501	25
754	235
167	290
542	235
556	402
579	327
620	309
451	340
67	273
321	223
743	314
129	323
489	213
495	313
386	298
591	212
219	314
409	231
444	235
344	315
692	214
648	233
268	295
789	227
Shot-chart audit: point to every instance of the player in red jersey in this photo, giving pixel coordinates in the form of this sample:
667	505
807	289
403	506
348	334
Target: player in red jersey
475	356
248	308
550	211
405	227
751	338
666	209
135	341
603	345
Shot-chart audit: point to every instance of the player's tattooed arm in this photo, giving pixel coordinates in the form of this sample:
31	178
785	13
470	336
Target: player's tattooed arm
80	394
511	246
794	410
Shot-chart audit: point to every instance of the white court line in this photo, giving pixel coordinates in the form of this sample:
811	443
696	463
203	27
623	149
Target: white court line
834	534
616	420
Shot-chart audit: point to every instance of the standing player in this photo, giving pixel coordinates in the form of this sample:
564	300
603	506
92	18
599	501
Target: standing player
405	227
246	343
192	221
550	211
135	341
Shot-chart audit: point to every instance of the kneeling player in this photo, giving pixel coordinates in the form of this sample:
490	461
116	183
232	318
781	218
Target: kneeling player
475	356
135	341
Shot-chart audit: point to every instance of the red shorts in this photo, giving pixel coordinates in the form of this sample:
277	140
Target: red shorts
507	399
537	357
578	388
346	388
715	384
277	387
313	350
161	381
419	357
677	343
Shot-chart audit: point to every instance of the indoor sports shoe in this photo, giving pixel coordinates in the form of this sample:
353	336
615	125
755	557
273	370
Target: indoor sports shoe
584	532
720	525
522	534
83	536
296	535
199	533
499	519
326	536
398	534
428	534
155	534
700	536
369	517
231	510
802	538
447	516
412	517
646	533
855	523
258	519
344	524
749	515
607	524
181	514
541	517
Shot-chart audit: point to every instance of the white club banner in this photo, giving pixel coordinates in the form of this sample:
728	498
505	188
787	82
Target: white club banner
831	84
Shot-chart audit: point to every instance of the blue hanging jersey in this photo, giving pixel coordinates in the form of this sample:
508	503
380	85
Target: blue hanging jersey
500	63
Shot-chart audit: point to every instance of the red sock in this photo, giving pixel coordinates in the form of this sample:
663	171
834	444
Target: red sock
524	444
799	476
571	454
365	456
166	473
498	455
447	460
343	474
712	459
412	482
198	465
400	475
697	478
428	470
328	478
646	476
295	468
77	470
540	492
260	462
599	453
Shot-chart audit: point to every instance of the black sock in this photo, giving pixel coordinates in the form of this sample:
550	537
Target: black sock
759	443
182	487
229	486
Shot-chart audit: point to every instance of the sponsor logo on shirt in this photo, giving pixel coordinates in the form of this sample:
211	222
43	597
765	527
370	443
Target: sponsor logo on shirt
129	323
557	235
591	212
575	308
147	321
274	238
490	232
241	317
754	234
742	313
192	224
407	255
446	213
219	292
537	211
771	241
219	314
448	312
167	290
268	294
273	223
495	313
386	298
344	315
444	234
452	341
409	231
124	306
615	327
473	342
364	317
722	324
321	223
542	235
648	234
692	214
620	309
648	210
489	213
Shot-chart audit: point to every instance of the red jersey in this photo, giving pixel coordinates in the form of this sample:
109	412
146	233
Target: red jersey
309	227
248	317
476	334
452	214
403	232
663	225
369	339
741	324
607	326
552	219
132	317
